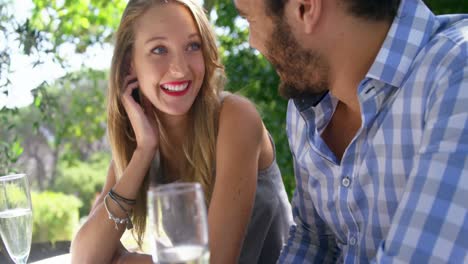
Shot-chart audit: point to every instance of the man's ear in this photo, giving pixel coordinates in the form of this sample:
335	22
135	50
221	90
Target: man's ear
308	13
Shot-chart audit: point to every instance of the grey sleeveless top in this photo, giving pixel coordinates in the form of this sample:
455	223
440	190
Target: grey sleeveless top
268	228
271	218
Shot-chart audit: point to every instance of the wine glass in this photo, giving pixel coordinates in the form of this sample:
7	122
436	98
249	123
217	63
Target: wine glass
16	216
178	219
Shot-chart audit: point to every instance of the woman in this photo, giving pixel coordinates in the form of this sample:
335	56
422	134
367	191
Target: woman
165	100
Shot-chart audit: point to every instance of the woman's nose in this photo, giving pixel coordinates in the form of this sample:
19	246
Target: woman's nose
178	67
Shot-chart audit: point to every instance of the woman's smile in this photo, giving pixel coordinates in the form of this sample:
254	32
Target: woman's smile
176	88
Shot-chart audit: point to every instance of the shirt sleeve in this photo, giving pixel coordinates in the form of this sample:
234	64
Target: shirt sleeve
431	222
310	240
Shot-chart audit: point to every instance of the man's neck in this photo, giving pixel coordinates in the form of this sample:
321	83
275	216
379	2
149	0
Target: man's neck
355	48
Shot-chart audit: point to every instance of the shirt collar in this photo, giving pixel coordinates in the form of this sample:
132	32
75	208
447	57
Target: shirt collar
411	29
305	102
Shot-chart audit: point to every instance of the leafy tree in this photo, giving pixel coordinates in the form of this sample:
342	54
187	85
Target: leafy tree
65	123
78	113
81	22
10	143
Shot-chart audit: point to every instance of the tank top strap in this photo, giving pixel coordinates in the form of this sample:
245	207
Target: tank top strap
223	95
273	145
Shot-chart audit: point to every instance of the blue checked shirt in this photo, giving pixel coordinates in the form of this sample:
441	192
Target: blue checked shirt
400	192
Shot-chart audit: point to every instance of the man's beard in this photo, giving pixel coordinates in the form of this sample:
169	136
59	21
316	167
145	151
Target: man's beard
302	73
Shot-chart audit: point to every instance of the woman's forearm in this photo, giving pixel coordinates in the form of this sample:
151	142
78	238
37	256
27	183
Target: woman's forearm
98	240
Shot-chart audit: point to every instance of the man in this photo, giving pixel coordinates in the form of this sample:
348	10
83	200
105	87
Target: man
377	125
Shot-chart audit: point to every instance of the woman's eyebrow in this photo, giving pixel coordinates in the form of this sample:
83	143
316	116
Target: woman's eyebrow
192	35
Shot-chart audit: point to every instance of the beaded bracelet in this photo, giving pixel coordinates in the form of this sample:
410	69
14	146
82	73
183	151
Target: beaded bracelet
127	221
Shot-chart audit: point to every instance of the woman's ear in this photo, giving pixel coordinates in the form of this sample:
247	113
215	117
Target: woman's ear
131	69
308	13
128	62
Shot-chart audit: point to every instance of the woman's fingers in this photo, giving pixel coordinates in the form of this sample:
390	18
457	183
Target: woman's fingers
140	115
131	85
147	105
129	79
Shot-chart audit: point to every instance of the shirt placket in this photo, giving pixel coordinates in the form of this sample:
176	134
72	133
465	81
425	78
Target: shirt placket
351	163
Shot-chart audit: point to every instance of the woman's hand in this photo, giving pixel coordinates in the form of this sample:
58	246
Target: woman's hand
141	116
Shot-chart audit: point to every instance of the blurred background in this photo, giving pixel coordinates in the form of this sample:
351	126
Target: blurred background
54	62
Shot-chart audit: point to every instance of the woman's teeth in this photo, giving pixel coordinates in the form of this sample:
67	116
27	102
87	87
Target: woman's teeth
175	88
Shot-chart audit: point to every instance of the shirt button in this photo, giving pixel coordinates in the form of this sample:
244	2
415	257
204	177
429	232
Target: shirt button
346	182
352	241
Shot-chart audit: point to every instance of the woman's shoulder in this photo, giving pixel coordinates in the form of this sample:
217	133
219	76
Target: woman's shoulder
238	108
239	115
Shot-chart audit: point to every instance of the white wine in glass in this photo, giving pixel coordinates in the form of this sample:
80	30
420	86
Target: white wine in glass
16	216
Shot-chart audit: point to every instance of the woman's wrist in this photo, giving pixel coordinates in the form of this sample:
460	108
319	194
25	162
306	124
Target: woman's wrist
146	150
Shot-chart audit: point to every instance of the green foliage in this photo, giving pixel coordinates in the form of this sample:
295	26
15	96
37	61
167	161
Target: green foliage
73	109
5	31
55	216
10	143
447	6
82	22
83	179
67	121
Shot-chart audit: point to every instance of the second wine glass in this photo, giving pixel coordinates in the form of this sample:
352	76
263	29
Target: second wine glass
178	219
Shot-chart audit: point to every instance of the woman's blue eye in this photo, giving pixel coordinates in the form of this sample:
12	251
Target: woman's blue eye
194	46
159	50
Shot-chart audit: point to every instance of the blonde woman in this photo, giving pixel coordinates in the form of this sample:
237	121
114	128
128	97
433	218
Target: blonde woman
165	100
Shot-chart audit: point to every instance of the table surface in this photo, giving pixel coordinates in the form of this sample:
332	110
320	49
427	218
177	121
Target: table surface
40	251
60	259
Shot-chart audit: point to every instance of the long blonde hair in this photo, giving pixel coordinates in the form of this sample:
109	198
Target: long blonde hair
203	115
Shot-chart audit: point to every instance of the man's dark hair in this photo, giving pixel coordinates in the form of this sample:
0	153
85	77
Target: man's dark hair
376	10
275	8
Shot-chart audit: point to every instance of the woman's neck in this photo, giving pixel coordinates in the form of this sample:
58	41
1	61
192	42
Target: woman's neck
172	153
175	128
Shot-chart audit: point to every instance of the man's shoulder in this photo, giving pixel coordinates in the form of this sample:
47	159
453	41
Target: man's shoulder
454	28
442	63
447	50
451	38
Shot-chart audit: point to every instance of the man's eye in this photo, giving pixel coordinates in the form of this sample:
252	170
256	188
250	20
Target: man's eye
194	46
159	50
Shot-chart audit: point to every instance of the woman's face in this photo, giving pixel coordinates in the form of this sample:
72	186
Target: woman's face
167	58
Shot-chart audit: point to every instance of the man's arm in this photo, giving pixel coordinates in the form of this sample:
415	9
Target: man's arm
431	222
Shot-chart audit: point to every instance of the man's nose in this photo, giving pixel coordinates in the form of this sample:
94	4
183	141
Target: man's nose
256	42
252	42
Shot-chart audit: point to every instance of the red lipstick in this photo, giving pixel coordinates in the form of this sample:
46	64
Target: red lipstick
165	89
